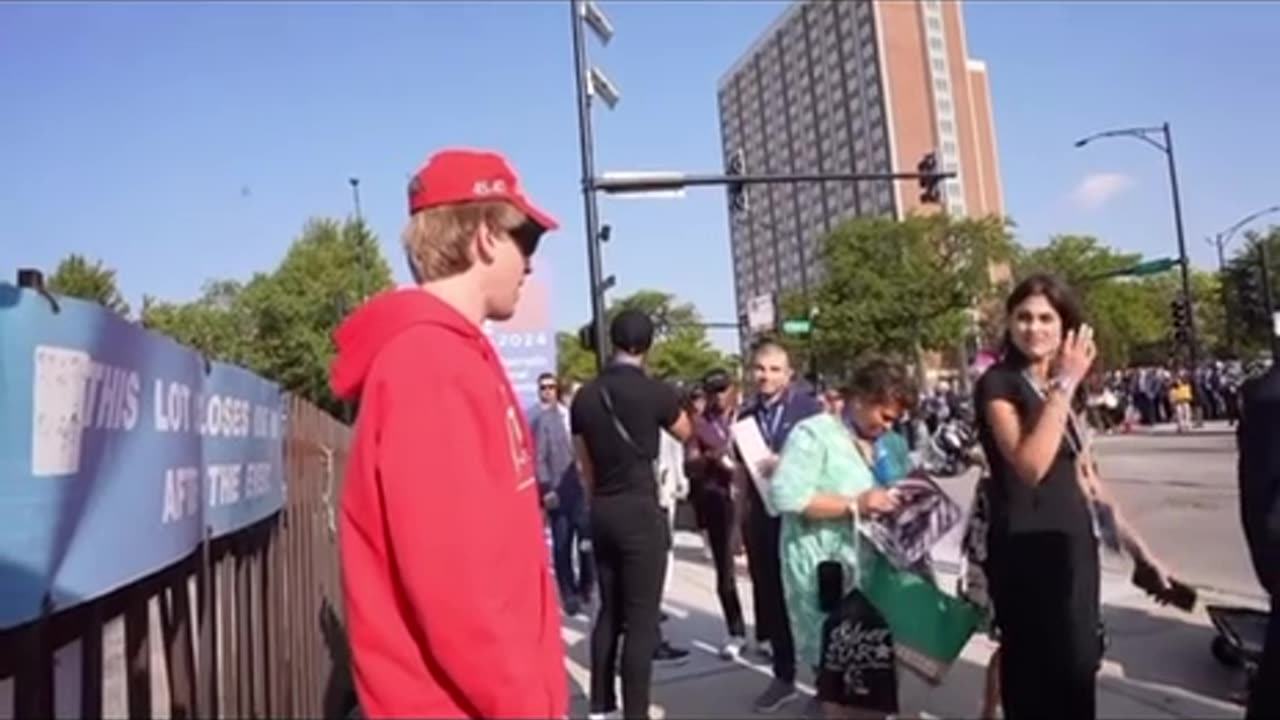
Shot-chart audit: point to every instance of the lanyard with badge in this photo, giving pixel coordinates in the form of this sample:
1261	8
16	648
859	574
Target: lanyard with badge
1104	531
769	428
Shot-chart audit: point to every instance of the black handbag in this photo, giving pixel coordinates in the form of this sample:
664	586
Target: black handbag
857	666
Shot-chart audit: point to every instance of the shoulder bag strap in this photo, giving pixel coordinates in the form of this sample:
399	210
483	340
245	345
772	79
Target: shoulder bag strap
607	399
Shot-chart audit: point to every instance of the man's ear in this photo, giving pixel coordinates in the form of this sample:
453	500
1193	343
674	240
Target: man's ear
485	244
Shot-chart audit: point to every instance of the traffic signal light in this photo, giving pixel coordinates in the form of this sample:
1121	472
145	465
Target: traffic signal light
1249	292
587	337
737	165
1178	308
930	183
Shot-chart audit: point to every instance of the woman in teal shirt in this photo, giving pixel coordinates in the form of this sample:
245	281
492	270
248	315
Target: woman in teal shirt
825	481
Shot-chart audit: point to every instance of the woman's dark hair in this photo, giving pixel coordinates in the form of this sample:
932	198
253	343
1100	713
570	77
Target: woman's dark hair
880	380
1060	296
717	381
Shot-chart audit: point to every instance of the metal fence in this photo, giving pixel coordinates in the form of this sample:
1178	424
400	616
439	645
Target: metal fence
247	626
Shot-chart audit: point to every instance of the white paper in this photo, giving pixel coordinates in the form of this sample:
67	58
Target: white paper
58	396
754	451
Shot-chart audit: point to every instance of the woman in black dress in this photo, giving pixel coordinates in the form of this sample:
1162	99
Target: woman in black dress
1042	562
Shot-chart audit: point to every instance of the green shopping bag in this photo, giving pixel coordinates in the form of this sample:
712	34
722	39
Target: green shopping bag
929	627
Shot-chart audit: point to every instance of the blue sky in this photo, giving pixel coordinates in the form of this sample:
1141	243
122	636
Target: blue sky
183	142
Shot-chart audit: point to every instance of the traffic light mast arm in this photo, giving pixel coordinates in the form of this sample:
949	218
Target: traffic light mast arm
676	181
1150	267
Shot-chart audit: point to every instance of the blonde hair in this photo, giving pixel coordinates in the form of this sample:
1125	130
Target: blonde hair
437	240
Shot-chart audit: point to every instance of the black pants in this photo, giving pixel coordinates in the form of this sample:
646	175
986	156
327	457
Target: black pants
630	540
569	527
1264	695
717	511
1045	589
763	536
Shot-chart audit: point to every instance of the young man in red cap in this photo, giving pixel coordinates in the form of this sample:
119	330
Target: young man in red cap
450	604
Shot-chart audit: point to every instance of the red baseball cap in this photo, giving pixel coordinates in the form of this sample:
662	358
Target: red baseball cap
456	176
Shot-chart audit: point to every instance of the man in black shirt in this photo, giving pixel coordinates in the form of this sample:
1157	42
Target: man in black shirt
616	420
1259	475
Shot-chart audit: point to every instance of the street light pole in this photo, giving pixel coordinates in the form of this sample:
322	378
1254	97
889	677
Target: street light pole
1193	343
1220	242
365	263
595	264
1145	134
1268	305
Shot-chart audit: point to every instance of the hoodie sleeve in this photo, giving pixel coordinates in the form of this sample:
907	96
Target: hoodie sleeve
444	515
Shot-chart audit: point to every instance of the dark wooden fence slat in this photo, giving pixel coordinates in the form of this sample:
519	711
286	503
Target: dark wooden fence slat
137	633
91	663
33	681
260	636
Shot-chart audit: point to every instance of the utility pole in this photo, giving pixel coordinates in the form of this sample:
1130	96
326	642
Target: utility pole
1153	136
366	264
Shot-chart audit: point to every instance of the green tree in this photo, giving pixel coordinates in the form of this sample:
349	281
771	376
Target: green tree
1121	310
897	287
573	362
281	324
1206	298
1132	318
77	277
1242	289
680	348
218	323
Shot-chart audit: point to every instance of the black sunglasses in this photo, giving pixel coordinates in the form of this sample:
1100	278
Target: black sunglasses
527	237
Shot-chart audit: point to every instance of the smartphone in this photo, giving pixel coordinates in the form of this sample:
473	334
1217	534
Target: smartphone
1181	595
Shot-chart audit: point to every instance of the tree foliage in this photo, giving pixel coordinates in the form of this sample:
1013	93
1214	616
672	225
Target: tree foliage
894	287
680	348
1242	292
1132	317
280	324
1119	310
76	276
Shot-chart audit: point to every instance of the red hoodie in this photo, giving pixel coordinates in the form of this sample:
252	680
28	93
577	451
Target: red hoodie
451	609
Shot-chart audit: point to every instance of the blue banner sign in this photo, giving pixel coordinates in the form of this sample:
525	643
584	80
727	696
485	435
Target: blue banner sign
118	449
527	342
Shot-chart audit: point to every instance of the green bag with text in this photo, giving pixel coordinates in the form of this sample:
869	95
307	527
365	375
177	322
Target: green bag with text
930	627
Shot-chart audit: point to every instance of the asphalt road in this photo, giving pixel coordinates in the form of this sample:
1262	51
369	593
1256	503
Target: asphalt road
1180	492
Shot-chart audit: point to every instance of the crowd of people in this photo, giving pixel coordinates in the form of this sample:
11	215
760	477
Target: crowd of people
1150	395
455	609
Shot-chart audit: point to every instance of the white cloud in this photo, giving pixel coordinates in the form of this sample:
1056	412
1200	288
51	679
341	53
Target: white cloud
1098	189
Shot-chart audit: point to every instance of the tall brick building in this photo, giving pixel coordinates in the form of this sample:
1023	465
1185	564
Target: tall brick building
851	86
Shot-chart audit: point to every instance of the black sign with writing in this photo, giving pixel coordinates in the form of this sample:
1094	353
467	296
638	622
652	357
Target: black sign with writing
858	669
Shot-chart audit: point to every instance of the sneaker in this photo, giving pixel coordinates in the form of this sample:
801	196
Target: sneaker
762	649
667	654
607	715
732	648
775	696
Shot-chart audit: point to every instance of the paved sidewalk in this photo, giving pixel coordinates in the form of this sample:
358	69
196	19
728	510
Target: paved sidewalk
1158	664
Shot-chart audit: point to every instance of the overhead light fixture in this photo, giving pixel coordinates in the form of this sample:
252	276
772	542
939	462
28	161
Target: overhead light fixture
597	21
602	87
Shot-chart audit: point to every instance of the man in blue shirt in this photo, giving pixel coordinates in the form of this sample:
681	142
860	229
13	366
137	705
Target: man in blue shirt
777	407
